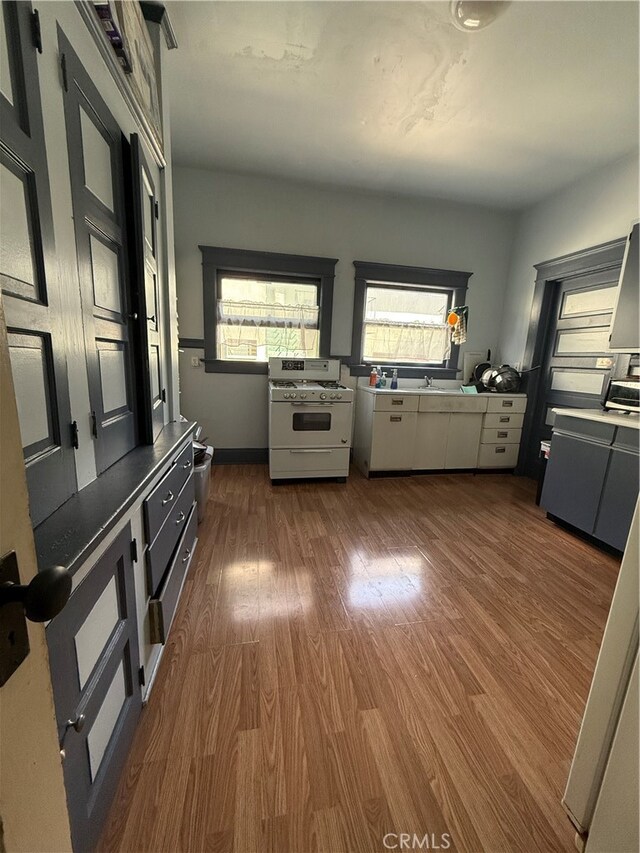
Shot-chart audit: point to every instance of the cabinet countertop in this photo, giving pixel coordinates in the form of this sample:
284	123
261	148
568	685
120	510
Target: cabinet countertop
444	392
615	418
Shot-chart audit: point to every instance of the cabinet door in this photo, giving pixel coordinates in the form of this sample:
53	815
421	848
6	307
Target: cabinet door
97	188
619	498
94	659
574	480
431	440
624	326
29	274
392	441
142	209
464	440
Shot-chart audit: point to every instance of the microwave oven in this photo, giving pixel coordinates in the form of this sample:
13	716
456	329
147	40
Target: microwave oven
623	394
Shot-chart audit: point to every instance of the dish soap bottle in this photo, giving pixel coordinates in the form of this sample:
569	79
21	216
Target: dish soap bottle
379	378
373	377
394	379
383	381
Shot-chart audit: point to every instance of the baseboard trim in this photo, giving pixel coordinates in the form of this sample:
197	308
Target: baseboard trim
241	456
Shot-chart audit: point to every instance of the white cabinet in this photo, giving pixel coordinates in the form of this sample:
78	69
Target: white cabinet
431	431
502	431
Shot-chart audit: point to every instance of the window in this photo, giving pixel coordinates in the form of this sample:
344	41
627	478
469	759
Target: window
405	325
261	318
400	318
258	305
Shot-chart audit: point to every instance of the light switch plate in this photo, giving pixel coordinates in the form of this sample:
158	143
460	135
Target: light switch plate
195	361
14	639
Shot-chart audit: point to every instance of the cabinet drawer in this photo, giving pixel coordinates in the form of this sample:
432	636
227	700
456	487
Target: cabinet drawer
501	436
309	462
453	403
396	403
503	421
504	403
163	498
498	455
163	607
159	554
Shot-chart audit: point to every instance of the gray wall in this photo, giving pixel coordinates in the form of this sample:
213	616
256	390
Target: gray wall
222	209
594	210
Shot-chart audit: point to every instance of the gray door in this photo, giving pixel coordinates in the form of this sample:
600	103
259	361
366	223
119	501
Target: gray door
94	660
97	184
29	275
144	215
576	364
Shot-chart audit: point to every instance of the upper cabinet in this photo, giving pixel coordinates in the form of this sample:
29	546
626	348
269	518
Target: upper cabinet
625	326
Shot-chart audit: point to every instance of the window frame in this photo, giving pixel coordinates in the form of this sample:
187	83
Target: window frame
219	261
453	282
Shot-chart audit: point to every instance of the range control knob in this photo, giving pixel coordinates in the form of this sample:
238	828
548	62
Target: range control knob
292	395
332	396
286	395
303	396
339	396
323	396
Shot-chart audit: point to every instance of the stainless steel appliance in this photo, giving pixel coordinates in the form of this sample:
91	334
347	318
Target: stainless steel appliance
310	419
623	394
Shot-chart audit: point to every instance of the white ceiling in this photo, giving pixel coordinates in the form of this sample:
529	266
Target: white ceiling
390	96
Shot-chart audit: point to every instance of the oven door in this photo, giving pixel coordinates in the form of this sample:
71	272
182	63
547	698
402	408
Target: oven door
309	425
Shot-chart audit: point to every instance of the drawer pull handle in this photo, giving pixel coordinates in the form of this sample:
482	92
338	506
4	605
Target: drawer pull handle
501	449
397	402
395	419
168	498
505	420
503	433
187	464
507	404
187	551
181	517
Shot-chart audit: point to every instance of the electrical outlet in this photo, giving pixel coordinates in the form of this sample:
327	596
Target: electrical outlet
195	361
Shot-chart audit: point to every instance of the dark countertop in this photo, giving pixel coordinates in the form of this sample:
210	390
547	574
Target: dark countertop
73	531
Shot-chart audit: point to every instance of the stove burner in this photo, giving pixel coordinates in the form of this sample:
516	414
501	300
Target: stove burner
283	384
331	385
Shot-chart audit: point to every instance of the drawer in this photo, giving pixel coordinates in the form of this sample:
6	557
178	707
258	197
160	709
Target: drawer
163	607
498	455
476	403
597	431
396	403
505	403
309	462
162	499
501	436
503	421
159	554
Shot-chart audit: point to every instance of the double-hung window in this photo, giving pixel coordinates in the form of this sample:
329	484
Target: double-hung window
400	318
259	305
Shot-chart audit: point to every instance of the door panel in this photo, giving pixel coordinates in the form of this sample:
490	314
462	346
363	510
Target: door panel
97	186
93	654
144	262
29	274
577	363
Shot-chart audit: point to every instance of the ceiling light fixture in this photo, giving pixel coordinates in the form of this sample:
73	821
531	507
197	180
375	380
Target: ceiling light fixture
472	15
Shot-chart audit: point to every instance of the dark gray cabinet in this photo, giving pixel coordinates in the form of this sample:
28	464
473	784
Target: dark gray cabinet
625	327
592	478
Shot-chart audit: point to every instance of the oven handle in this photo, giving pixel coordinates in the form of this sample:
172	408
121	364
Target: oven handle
310	450
313	403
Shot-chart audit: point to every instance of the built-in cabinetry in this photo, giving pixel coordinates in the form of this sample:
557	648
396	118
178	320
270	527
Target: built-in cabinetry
433	430
625	323
592	477
128	539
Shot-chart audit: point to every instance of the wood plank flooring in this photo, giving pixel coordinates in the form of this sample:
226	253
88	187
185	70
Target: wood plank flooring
407	655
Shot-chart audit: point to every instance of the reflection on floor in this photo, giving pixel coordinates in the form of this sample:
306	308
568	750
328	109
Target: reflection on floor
352	662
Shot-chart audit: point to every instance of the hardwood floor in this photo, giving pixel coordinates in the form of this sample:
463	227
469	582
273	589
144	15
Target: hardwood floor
407	655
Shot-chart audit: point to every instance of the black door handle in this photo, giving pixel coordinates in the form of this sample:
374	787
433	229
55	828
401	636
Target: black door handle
44	597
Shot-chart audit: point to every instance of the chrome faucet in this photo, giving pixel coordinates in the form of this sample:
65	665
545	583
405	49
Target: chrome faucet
428	381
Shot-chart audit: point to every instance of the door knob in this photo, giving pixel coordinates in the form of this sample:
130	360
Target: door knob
44	597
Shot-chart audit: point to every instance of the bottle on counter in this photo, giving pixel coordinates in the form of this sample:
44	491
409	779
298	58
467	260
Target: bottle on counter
373	377
383	381
379	378
394	379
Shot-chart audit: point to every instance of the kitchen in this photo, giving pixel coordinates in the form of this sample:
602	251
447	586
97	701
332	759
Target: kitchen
375	630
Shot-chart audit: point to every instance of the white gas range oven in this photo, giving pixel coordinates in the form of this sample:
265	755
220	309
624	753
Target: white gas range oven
310	417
